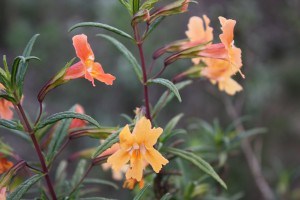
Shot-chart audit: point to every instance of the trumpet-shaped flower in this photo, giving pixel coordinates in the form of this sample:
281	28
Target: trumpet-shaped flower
5	107
3	193
86	67
137	147
78	123
4	164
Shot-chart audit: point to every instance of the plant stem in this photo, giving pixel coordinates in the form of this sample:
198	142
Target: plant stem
139	42
38	150
146	92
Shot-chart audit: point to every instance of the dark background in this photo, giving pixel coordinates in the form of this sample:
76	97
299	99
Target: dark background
268	32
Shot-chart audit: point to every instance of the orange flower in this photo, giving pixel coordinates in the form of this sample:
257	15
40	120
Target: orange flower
78	123
226	50
3	193
223	59
137	147
4	164
5	107
86	67
219	71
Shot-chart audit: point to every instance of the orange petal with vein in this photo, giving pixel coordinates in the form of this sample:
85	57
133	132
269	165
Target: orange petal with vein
83	48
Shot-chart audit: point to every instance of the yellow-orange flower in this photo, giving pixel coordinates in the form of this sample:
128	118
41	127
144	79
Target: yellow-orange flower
137	147
223	59
77	123
5	107
3	193
219	71
4	164
86	67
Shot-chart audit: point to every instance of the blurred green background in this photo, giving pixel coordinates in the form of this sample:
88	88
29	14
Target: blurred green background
268	32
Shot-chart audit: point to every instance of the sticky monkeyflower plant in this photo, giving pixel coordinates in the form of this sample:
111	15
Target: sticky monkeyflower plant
143	157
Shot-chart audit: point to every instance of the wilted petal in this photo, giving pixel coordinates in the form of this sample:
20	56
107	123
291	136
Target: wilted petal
6	109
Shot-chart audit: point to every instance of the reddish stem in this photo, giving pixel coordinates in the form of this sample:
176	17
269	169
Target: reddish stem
38	150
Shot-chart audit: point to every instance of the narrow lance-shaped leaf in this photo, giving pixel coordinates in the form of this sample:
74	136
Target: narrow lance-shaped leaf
10	124
170	126
141	193
24	65
197	161
135	6
168	84
80	169
128	55
102	26
149	4
112	139
127	5
166	197
65	115
24	187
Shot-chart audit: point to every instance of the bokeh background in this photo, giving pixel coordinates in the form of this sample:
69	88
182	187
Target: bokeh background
268	32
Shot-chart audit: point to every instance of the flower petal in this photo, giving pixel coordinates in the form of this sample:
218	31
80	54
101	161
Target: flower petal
155	159
197	31
142	130
230	86
227	28
5	109
83	48
118	159
126	138
75	71
99	74
152	137
136	167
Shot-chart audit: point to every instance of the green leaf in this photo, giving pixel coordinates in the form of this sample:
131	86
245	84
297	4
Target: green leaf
100	182
127	5
10	124
102	26
141	193
167	97
112	139
168	84
153	25
65	115
148	4
24	65
79	172
197	161
249	133
128	55
170	126
135	4
166	196
59	134
15	68
24	187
